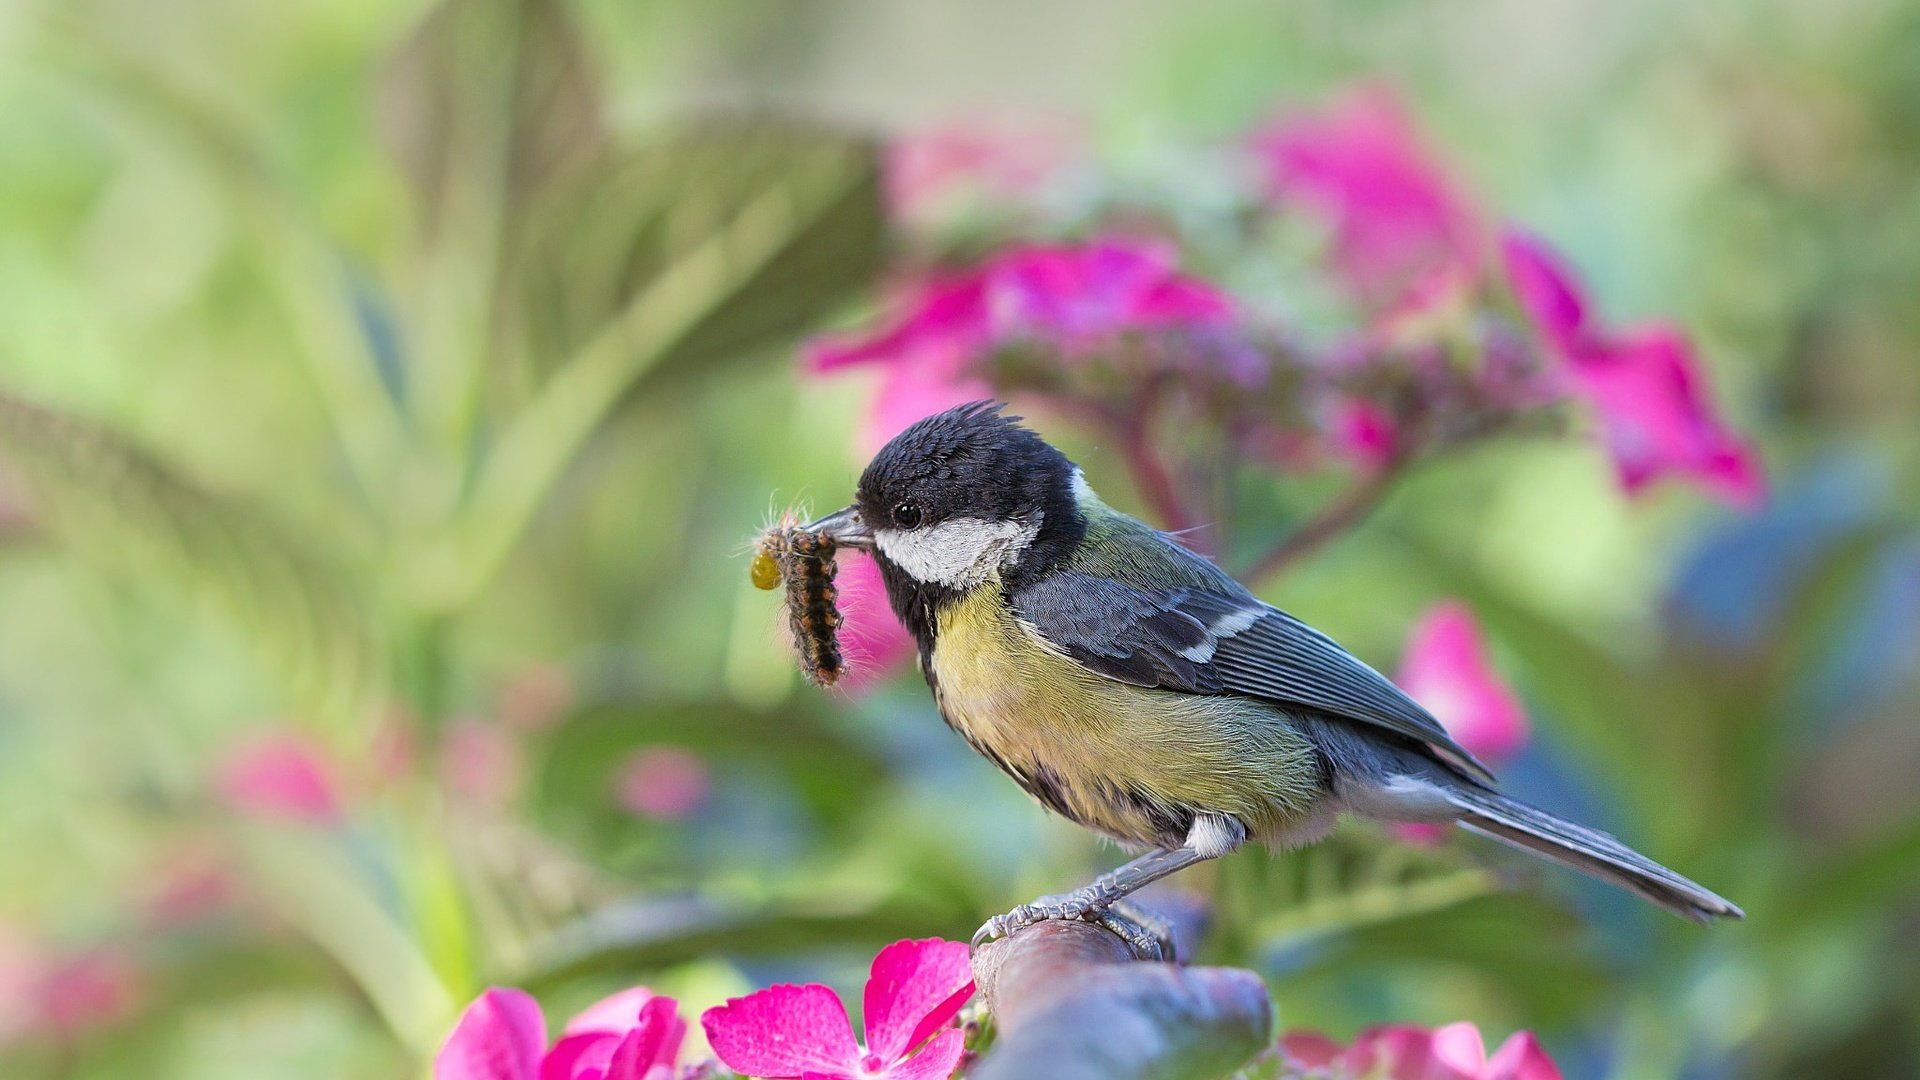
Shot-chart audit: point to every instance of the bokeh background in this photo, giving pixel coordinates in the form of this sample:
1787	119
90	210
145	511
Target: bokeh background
382	427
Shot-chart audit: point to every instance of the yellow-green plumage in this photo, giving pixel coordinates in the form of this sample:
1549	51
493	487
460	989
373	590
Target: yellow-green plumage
1105	753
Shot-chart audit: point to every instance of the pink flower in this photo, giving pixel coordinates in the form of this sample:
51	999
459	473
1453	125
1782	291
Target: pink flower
1079	296
1445	668
664	783
1399	1052
64	994
871	636
1656	419
1075	297
913	993
1365	434
1644	382
502	1035
282	776
1397	219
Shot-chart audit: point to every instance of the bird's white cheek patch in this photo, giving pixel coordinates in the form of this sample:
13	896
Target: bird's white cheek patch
959	552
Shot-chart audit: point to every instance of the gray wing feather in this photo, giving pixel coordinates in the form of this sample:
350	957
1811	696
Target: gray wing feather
1217	638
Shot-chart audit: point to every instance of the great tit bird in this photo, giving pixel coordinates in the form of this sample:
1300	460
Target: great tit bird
1132	686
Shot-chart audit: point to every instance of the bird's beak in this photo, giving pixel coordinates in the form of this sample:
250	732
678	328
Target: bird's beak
846	528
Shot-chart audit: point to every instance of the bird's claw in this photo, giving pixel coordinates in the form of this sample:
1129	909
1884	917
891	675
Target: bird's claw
1145	934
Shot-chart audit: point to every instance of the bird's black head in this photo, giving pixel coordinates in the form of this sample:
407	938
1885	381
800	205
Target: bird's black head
963	496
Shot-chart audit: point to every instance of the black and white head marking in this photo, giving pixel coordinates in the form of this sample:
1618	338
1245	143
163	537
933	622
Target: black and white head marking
963	496
960	552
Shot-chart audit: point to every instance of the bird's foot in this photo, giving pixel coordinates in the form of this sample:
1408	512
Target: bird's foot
1147	936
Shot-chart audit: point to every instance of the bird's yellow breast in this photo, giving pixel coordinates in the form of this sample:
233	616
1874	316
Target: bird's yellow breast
1133	762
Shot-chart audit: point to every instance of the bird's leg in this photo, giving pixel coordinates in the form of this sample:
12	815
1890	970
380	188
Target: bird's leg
1210	837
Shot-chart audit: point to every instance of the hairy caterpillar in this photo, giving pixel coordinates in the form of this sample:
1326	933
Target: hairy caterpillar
804	561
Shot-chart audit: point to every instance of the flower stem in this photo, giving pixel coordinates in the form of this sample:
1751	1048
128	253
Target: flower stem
1335	518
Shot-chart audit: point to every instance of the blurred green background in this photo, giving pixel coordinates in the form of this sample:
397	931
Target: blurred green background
399	384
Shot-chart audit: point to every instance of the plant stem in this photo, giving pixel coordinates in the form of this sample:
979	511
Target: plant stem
1156	482
1335	518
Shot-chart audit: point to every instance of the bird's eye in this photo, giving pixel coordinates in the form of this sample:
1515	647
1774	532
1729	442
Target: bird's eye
906	515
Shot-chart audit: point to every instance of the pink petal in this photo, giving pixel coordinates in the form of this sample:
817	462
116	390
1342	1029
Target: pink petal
1077	296
1398	1052
281	776
501	1036
654	1043
614	1014
936	1062
945	310
1521	1058
1394	212
664	783
1446	669
784	1031
580	1057
1309	1049
1458	1047
1547	290
872	637
914	989
1656	420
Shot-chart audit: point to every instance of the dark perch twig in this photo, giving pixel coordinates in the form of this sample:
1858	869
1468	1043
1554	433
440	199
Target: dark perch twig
1070	1003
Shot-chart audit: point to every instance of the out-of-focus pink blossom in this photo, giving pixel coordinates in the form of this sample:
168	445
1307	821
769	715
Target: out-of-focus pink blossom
502	1035
871	635
1365	434
1550	296
1080	296
1656	419
1074	297
665	783
536	697
480	760
928	172
63	994
1400	1052
282	776
913	993
1397	219
1644	382
1446	669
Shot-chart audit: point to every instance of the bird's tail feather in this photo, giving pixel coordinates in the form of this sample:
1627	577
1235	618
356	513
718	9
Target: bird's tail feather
1587	850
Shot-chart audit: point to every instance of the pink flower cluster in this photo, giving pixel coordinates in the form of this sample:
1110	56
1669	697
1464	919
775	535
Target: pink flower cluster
914	991
1076	298
1107	327
633	1035
1643	381
1399	1052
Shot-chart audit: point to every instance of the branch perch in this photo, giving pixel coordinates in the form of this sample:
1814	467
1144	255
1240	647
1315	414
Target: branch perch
1070	1003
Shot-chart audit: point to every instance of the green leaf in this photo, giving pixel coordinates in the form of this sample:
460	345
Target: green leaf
1337	887
123	508
737	233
